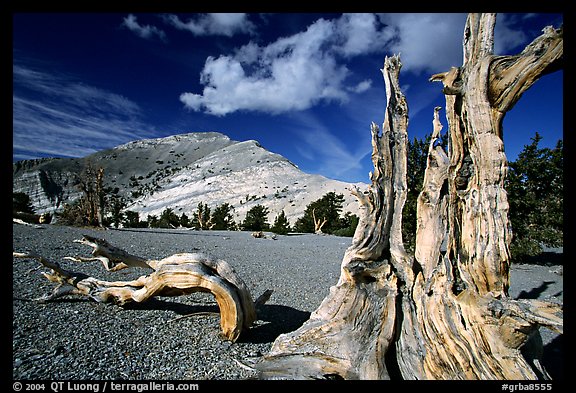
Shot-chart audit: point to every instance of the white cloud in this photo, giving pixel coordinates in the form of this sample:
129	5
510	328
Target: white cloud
302	70
426	42
361	34
214	24
291	73
143	31
433	42
361	87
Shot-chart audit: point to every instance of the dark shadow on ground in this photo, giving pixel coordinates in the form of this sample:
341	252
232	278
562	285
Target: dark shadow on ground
553	358
176	307
534	293
273	320
545	258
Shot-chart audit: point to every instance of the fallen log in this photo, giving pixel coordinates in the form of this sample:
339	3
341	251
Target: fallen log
177	275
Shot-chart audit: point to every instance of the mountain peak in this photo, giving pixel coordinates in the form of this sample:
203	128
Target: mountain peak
179	171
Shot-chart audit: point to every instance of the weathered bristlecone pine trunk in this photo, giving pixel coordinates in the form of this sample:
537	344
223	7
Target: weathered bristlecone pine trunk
176	275
434	315
318	224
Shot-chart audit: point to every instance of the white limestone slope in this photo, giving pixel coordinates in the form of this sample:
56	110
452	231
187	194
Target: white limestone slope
243	175
178	172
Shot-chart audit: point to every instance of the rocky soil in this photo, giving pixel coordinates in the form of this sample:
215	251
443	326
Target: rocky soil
73	338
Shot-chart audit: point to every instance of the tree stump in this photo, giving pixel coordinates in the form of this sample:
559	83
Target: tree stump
434	315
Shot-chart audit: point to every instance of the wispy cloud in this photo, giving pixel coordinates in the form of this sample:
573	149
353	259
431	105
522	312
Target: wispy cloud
328	154
431	43
360	34
56	115
226	24
506	34
73	92
143	31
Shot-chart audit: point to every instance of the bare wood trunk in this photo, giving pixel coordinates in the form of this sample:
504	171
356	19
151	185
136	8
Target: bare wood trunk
100	197
204	218
431	206
317	223
349	334
176	275
435	315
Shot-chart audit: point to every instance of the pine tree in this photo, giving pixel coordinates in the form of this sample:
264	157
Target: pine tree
21	203
131	219
168	219
326	209
256	219
152	221
535	189
116	204
184	221
222	218
281	224
348	225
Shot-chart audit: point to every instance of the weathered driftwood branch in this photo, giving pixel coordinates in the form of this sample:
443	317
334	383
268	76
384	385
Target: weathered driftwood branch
113	258
22	222
262	235
435	315
176	275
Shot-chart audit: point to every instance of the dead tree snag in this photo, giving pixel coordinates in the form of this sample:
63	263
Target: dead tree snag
434	315
317	223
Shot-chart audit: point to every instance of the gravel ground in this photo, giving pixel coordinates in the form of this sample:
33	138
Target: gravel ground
77	339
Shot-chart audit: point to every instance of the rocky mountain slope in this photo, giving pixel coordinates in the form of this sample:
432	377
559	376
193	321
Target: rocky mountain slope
180	171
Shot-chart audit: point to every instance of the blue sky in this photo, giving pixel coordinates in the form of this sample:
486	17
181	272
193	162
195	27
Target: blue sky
305	85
